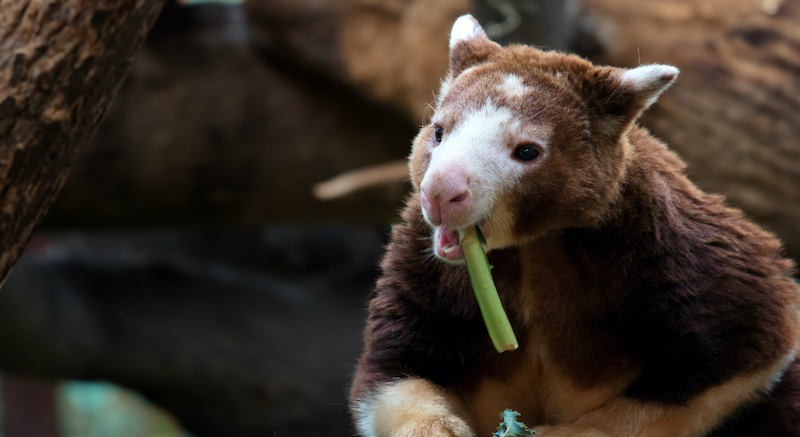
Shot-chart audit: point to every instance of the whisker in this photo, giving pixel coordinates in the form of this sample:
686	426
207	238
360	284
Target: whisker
426	114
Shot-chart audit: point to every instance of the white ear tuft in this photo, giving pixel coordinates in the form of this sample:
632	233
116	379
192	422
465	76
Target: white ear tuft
647	77
466	28
649	81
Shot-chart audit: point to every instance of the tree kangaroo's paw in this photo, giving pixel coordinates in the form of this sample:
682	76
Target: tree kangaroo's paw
412	407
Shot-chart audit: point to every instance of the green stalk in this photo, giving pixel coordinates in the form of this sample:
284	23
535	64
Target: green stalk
494	316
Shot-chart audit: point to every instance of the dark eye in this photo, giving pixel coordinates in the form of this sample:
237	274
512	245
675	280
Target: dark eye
526	152
437	134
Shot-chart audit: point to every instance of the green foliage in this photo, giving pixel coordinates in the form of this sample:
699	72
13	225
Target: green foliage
510	427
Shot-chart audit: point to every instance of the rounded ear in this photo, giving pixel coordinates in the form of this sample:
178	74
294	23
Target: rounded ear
466	28
469	45
619	96
647	82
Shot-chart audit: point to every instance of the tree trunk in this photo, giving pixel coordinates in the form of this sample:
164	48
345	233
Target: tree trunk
60	63
734	113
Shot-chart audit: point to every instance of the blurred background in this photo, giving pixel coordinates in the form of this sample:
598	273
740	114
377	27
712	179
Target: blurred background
206	269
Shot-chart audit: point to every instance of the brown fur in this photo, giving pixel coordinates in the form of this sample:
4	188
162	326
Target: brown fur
643	305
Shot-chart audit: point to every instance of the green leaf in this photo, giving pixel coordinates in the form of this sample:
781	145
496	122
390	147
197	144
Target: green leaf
510	427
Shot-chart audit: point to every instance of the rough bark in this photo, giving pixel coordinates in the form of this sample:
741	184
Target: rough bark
60	63
734	113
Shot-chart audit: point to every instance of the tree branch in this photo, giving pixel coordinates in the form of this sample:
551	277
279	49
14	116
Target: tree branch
60	65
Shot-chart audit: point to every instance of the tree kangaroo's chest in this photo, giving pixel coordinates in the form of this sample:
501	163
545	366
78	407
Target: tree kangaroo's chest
541	389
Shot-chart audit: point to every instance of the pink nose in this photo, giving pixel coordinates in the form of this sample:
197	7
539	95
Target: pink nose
446	200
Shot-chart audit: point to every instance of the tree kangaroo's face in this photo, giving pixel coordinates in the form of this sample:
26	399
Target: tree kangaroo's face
523	142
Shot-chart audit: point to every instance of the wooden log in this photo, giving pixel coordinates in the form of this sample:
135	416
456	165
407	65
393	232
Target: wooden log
391	51
60	63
